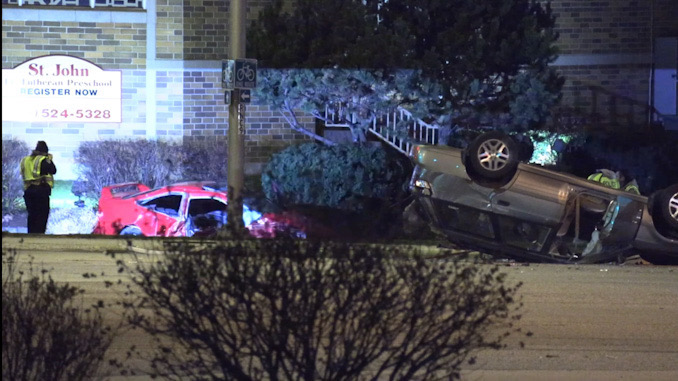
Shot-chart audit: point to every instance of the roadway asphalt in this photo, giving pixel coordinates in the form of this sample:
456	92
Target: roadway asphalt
588	322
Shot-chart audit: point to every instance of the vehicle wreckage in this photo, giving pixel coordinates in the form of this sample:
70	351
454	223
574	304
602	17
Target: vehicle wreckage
482	197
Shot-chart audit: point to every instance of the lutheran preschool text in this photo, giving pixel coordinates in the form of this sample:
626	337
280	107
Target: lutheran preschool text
68	71
60	88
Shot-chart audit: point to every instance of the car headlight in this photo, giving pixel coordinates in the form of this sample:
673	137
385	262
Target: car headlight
423	186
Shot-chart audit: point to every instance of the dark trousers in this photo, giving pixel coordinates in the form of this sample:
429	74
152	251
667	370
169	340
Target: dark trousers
37	206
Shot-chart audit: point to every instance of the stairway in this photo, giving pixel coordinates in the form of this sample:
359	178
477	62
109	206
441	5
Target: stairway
399	128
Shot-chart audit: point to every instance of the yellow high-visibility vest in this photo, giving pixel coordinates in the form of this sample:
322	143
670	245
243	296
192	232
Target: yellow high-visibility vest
30	171
608	182
633	188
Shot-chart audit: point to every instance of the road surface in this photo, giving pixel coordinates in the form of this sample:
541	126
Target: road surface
588	322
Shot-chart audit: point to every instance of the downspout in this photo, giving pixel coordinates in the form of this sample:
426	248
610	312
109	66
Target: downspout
650	98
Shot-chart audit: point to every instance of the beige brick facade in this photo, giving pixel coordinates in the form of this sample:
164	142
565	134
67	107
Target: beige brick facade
170	30
606	55
170	54
174	94
110	45
602	27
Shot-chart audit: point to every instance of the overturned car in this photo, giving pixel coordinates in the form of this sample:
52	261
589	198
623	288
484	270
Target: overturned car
483	198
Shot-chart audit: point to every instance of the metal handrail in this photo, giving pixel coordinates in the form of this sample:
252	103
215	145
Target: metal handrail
385	127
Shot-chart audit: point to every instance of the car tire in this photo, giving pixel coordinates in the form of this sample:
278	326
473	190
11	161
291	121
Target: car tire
493	155
667	203
131	230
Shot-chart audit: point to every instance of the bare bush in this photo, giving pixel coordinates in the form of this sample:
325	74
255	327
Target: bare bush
102	163
153	163
204	160
45	334
291	310
13	150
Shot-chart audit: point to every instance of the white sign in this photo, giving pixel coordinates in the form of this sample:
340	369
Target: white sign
79	3
59	88
227	77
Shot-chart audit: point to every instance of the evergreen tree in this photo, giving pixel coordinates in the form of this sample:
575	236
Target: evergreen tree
450	62
476	49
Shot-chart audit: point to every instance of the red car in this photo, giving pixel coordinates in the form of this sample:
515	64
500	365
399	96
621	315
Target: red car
178	210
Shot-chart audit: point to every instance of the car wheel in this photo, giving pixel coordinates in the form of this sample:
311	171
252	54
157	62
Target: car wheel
493	155
131	230
668	206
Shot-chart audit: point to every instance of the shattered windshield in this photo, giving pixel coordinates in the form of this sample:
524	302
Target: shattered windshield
468	220
523	234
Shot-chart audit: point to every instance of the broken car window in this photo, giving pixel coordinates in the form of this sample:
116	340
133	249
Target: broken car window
522	234
465	219
168	204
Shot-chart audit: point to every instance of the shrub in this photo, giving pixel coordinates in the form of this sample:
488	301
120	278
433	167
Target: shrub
346	177
13	150
204	160
359	190
304	310
153	163
45	336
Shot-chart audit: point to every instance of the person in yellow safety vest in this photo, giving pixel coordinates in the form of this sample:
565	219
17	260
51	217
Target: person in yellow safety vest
607	177
632	187
37	171
615	180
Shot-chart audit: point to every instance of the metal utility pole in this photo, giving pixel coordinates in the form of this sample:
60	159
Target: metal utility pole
236	121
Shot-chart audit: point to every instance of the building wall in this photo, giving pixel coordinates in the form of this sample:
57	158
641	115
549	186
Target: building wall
111	43
606	54
205	44
170	58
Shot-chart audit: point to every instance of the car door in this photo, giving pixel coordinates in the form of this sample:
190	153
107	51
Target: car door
450	189
533	195
204	215
596	222
619	221
160	214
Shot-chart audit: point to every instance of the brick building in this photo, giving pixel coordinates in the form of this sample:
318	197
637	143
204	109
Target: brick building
169	54
610	52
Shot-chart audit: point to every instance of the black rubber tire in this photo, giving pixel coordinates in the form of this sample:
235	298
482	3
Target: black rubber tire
493	155
131	230
667	203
